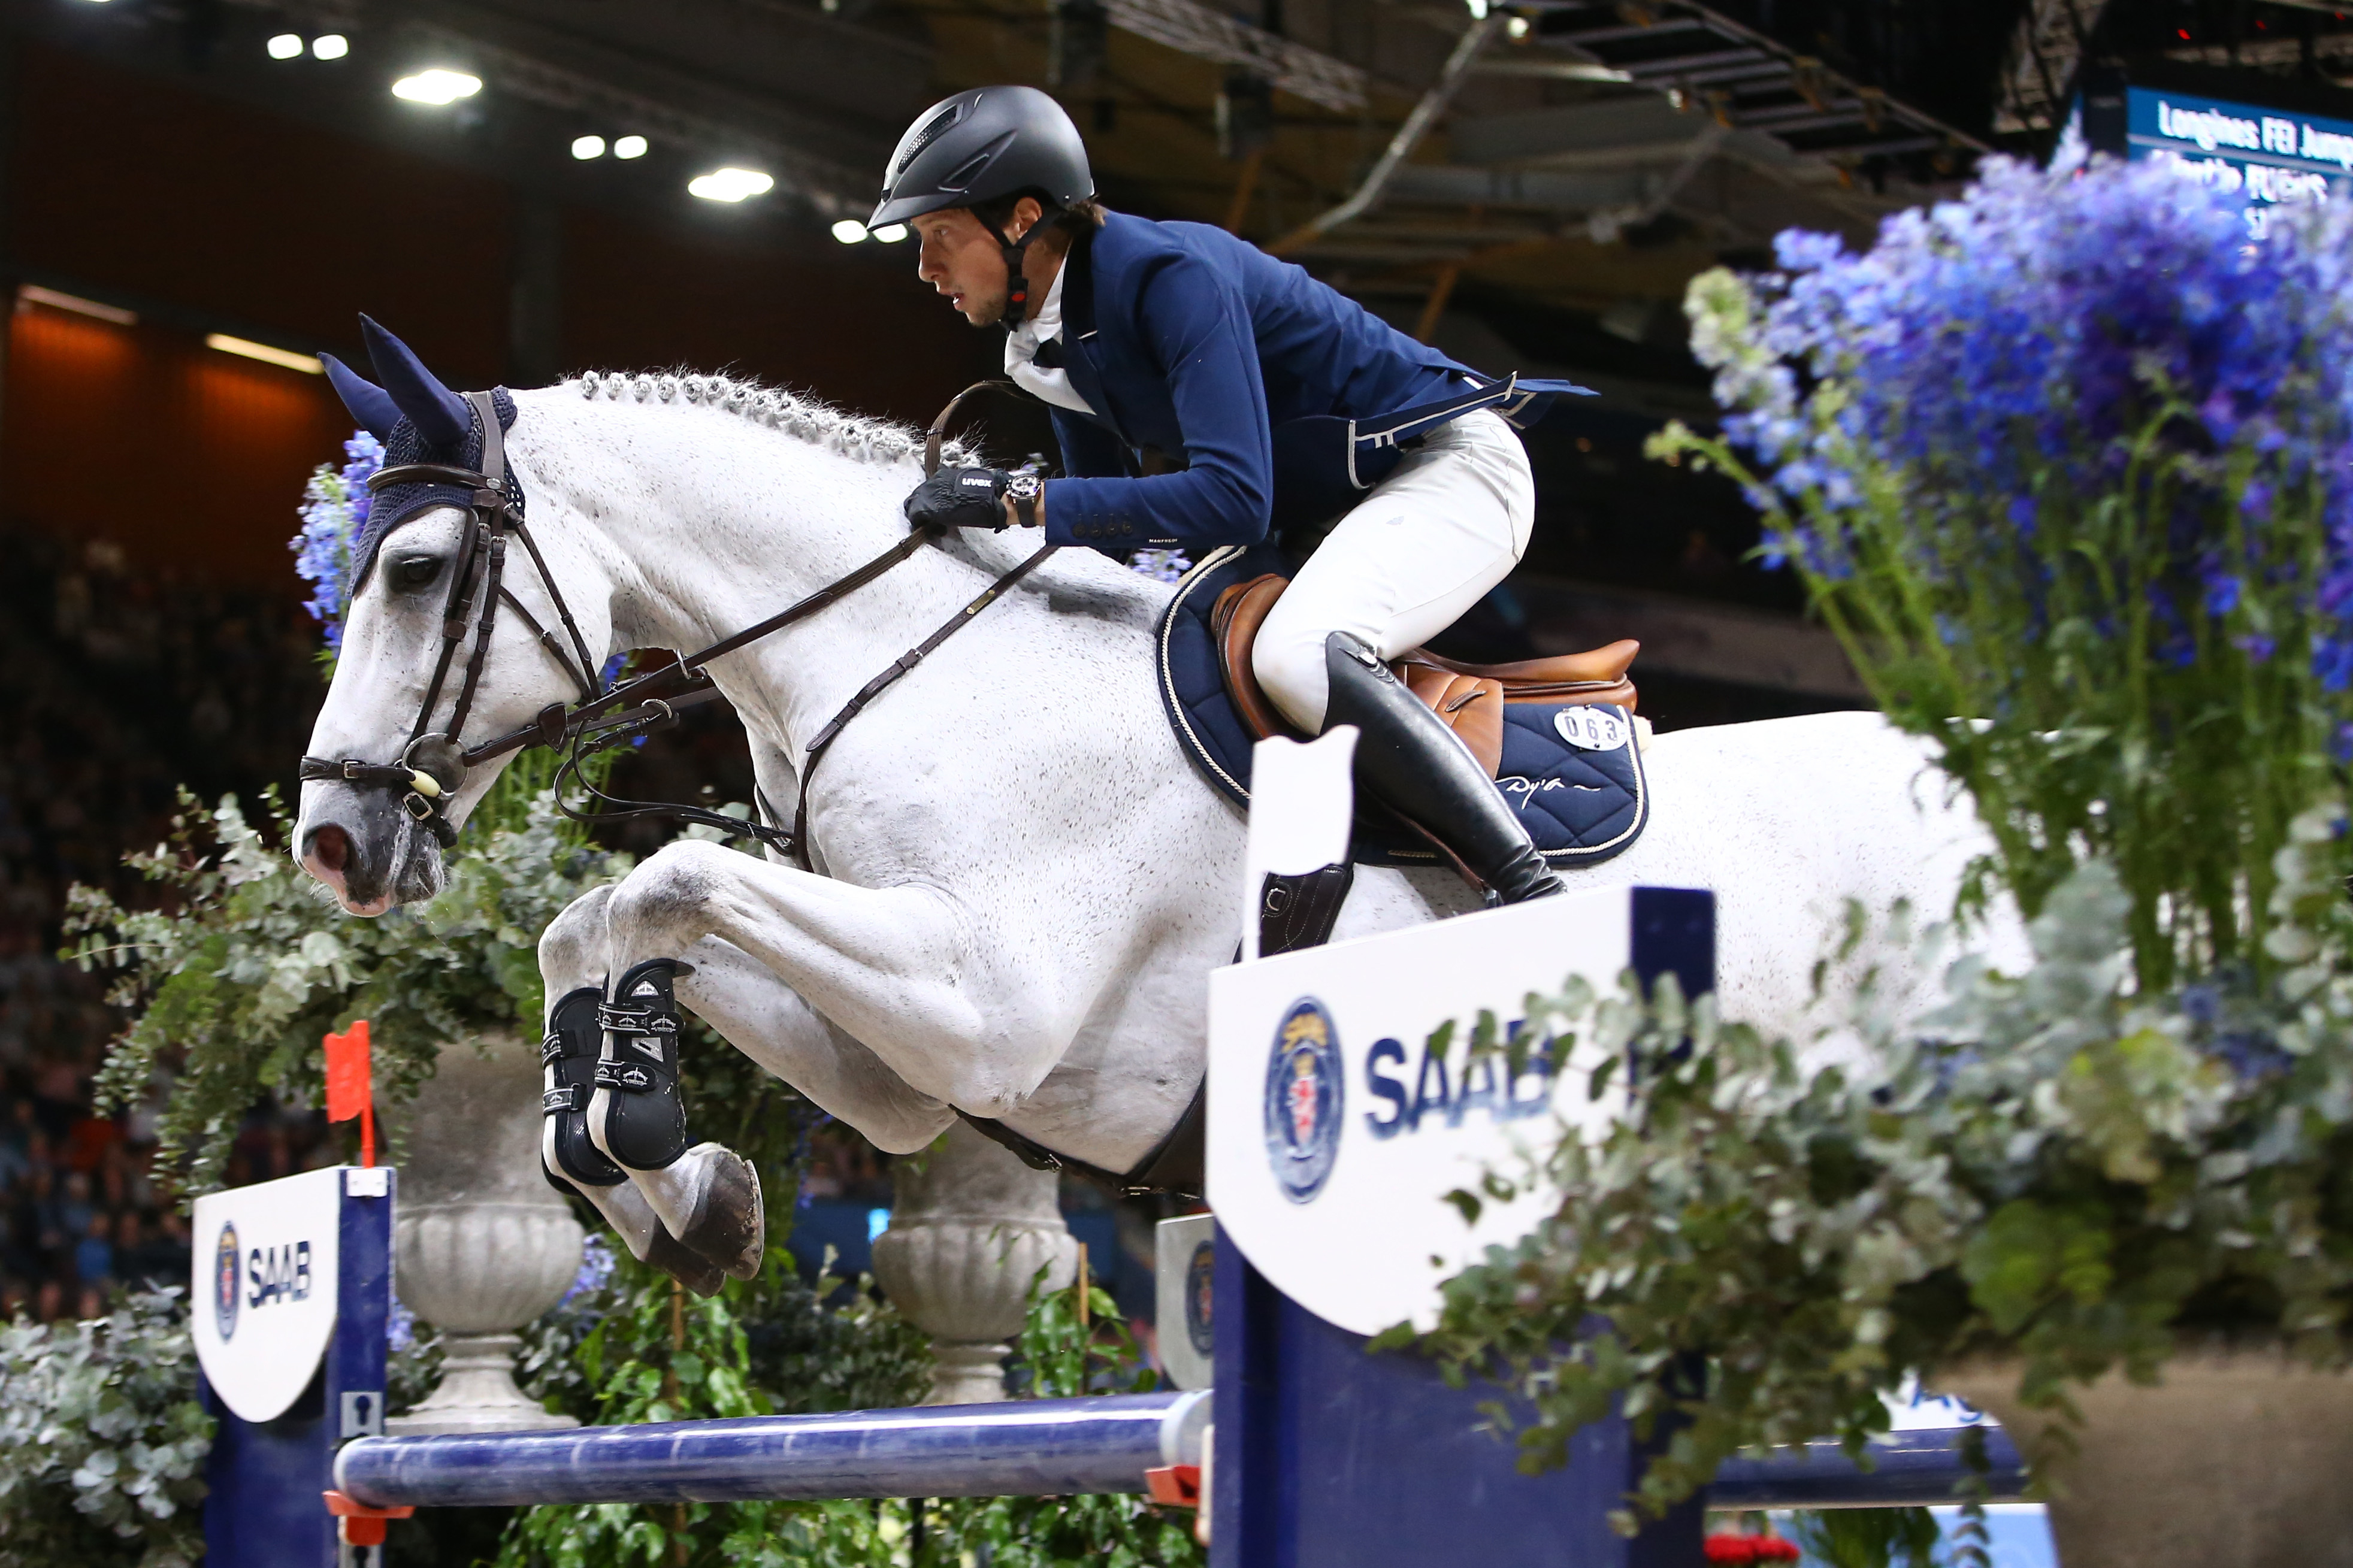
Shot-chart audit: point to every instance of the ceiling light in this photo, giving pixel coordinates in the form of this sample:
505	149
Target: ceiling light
629	147
286	47
34	294
892	233
730	184
1517	26
283	358
1478	9
437	87
586	147
330	47
850	231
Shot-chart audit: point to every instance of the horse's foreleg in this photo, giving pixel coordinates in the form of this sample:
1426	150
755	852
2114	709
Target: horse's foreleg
899	969
770	1022
573	962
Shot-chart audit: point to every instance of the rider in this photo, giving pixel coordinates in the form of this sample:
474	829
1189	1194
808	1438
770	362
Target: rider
1178	339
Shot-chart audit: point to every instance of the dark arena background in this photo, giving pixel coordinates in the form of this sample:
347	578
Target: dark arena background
197	197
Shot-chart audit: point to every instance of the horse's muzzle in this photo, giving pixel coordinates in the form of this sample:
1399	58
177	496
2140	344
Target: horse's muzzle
368	851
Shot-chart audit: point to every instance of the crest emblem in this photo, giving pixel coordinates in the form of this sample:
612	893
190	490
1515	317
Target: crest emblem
1304	1099
1200	1281
224	1292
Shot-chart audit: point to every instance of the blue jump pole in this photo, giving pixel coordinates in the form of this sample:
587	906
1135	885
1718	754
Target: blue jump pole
1043	1447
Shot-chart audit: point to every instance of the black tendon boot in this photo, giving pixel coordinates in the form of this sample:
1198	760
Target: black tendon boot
644	1118
569	1053
569	1057
639	1116
1414	765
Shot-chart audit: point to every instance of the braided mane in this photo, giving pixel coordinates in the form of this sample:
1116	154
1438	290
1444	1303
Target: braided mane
853	435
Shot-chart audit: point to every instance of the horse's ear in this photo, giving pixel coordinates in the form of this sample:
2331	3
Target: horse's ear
441	415
369	403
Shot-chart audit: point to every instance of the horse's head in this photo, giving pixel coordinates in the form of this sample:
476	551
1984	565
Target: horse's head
423	566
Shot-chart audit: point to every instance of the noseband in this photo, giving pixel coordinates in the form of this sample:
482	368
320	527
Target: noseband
433	765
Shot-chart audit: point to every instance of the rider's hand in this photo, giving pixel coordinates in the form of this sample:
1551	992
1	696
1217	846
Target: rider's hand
959	498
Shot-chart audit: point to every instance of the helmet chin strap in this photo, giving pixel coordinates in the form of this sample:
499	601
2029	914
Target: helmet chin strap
1017	288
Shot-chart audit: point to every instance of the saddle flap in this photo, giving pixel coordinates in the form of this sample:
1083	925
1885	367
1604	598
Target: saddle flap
1472	705
1469	696
1235	621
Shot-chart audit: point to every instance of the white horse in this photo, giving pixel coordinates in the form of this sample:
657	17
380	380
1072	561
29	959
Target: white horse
1022	884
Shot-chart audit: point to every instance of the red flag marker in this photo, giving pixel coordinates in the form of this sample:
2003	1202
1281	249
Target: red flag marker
349	1092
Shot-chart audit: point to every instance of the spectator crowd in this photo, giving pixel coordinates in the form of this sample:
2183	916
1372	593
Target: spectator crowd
123	684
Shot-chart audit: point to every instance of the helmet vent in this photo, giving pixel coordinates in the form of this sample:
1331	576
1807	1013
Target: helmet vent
929	134
962	178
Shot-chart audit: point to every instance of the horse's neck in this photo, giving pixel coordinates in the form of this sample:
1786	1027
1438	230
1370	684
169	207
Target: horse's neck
706	523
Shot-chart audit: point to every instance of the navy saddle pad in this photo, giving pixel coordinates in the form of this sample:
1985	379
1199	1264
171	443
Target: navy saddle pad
1574	772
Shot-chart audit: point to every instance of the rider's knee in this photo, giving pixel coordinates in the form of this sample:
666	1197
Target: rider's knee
1288	664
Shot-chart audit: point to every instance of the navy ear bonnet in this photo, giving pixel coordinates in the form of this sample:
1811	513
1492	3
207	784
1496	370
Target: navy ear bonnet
397	504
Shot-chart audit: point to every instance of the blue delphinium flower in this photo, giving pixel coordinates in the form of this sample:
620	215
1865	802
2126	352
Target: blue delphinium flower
334	508
2026	343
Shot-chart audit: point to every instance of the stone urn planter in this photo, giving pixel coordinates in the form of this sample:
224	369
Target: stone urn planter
970	1227
2236	1460
482	1244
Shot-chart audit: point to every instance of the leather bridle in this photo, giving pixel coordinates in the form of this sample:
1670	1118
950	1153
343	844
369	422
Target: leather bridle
433	765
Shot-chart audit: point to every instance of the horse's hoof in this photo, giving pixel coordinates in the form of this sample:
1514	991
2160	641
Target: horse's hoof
731	1226
688	1268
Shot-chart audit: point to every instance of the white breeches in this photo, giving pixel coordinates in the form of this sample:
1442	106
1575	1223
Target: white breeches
1424	546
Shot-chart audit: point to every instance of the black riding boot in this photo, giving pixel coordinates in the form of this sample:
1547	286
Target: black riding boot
1413	765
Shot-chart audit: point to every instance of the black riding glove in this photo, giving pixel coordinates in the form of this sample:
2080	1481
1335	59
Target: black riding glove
959	498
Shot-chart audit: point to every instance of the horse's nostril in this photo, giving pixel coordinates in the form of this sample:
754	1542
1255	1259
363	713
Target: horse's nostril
331	847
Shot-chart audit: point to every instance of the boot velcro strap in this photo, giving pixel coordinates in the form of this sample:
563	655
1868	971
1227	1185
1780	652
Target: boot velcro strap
556	1048
636	1020
627	1077
571	1097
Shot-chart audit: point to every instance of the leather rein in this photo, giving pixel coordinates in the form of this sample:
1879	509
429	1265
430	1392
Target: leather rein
433	765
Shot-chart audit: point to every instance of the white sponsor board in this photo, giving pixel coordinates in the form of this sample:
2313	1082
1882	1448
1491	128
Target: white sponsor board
1334	1133
262	1298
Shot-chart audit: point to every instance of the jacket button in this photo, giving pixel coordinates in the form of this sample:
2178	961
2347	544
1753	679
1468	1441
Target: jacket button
1126	528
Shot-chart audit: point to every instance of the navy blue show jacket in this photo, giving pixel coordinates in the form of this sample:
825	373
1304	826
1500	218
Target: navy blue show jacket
1185	339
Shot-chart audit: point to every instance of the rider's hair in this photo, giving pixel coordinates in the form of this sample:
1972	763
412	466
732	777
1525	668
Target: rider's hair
1073	220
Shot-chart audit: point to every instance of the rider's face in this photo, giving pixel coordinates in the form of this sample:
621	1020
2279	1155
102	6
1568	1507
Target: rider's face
960	259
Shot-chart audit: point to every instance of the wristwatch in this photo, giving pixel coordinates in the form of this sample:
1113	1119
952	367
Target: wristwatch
1023	490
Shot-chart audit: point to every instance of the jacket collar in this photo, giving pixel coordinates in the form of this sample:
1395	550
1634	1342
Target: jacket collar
1078	345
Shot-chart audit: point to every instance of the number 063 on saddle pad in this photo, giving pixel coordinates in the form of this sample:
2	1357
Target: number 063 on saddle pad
1559	736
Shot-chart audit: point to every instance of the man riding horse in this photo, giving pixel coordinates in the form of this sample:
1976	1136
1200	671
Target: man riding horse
1177	338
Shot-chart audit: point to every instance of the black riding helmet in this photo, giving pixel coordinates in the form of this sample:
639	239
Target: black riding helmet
988	142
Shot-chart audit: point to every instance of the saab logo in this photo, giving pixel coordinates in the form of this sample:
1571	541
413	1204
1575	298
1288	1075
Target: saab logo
1304	1095
278	1274
1592	729
225	1283
1446	1085
1200	1277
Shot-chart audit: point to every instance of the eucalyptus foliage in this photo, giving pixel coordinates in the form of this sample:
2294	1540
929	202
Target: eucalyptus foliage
102	1443
2056	1165
2067	465
233	984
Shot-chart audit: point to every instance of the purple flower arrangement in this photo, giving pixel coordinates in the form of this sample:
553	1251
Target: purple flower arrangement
334	507
2067	463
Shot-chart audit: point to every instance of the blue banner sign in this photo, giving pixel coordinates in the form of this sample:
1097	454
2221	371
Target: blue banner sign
2273	157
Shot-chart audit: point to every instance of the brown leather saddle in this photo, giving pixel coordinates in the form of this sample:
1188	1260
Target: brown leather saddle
1469	696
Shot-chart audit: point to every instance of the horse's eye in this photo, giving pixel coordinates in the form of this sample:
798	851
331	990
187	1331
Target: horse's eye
411	573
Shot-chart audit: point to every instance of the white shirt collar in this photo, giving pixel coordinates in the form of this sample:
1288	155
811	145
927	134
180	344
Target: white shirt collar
1021	351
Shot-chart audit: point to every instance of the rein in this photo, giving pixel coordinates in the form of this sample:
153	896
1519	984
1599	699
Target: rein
433	765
